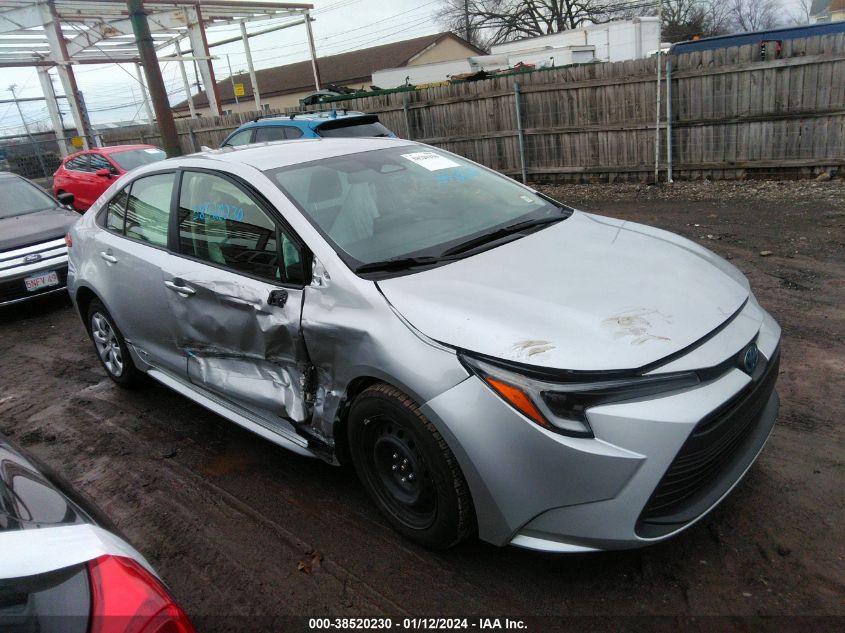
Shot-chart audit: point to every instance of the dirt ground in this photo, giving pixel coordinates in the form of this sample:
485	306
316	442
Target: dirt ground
238	526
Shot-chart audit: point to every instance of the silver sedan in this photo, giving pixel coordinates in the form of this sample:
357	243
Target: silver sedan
490	360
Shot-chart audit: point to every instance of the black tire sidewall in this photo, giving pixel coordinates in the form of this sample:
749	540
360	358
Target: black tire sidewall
445	529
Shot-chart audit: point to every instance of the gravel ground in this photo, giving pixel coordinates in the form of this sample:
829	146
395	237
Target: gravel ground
240	527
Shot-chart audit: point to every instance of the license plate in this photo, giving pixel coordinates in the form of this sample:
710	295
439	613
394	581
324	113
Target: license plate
44	280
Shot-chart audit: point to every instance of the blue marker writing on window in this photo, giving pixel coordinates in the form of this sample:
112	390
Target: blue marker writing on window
217	211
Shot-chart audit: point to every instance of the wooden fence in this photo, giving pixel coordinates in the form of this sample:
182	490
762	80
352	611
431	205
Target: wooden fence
731	114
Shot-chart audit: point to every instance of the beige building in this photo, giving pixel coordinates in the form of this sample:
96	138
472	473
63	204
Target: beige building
284	86
827	11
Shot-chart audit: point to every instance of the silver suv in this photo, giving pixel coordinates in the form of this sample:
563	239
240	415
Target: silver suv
489	359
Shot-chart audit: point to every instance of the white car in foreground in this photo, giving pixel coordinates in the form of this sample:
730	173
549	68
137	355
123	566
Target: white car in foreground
63	570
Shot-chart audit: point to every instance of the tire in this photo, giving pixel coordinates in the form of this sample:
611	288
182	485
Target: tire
408	470
111	347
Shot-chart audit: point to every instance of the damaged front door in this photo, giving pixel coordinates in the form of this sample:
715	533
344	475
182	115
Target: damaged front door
235	290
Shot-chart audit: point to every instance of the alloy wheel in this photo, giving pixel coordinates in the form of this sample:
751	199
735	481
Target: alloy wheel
108	347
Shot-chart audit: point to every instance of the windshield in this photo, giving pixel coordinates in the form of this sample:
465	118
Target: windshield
358	126
132	158
405	201
20	196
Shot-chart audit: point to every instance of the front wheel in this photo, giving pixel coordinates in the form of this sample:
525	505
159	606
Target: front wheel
408	469
111	347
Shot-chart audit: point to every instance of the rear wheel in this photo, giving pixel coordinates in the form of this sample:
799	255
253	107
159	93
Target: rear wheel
111	347
408	470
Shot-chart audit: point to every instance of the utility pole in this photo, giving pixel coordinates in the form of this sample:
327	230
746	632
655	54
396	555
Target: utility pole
251	68
144	95
155	83
313	51
232	80
188	94
35	148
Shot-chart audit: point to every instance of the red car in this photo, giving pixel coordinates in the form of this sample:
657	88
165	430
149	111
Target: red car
89	173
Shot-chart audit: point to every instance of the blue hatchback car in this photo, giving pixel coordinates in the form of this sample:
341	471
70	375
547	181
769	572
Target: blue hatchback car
307	125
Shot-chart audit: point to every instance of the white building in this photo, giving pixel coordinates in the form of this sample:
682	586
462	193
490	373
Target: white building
613	41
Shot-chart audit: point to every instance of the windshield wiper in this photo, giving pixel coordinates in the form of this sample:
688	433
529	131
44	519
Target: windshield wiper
399	263
510	229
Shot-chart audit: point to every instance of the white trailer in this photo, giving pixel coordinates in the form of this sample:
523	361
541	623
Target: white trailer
613	41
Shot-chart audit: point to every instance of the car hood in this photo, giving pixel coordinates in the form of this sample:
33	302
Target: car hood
586	294
31	228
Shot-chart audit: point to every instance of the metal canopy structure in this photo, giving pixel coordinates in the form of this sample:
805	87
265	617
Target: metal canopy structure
62	33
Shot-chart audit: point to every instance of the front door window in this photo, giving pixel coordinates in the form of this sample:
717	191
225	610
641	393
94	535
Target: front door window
221	224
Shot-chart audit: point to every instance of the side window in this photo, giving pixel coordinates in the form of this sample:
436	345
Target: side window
241	138
221	224
98	161
148	208
274	133
293	132
80	163
116	211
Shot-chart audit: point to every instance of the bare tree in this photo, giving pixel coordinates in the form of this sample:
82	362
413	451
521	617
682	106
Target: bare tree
488	22
754	15
801	13
686	19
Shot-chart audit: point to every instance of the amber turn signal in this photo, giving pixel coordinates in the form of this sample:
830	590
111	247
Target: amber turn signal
519	399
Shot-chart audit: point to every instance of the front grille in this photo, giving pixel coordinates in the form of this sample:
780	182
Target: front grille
20	263
708	452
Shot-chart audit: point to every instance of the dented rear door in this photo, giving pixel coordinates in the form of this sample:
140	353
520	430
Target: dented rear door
235	292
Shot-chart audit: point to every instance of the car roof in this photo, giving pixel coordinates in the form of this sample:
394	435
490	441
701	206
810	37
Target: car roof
111	149
277	154
307	120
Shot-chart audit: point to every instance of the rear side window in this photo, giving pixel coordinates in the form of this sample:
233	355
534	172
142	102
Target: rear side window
277	133
116	212
266	134
148	208
80	163
98	161
221	224
241	138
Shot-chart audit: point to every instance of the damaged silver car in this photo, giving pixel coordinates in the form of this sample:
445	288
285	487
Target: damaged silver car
490	360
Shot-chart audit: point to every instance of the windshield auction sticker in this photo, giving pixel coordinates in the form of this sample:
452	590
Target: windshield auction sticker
432	161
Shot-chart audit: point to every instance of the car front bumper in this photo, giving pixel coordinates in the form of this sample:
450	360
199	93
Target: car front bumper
655	466
13	289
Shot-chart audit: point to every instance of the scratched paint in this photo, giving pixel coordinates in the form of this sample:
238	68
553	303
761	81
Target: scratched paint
530	348
638	324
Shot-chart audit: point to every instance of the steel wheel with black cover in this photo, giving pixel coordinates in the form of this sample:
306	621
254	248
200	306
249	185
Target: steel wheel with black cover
408	469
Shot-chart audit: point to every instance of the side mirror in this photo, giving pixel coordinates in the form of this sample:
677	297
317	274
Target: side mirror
105	172
66	198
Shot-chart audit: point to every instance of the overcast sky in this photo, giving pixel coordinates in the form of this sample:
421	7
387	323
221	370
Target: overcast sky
112	93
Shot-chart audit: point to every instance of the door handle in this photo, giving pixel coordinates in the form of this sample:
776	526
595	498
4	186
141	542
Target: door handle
278	298
182	289
111	259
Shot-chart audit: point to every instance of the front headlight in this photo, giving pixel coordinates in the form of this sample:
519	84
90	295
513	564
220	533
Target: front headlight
560	405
